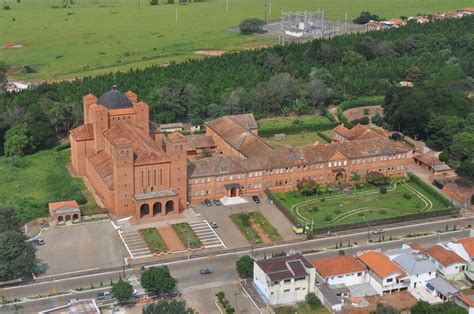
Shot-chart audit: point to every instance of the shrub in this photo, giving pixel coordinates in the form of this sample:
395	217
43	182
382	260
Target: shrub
366	111
154	2
383	212
251	25
396	136
310	234
407	195
377	179
378	120
337	211
313	300
328	218
6	7
363	120
383	190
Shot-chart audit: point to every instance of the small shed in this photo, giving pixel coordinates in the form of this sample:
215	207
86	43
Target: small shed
64	211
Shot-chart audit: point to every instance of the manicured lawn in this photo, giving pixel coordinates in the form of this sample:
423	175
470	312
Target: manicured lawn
337	208
295	140
284	122
33	181
186	234
98	36
153	240
242	220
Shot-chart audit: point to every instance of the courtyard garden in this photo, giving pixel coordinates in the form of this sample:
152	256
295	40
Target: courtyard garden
255	227
153	240
331	206
187	235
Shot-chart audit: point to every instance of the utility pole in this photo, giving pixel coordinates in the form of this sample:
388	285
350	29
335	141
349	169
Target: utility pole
227	5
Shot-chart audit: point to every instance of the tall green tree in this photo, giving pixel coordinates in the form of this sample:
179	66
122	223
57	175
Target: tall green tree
168	307
157	279
122	291
17	141
244	266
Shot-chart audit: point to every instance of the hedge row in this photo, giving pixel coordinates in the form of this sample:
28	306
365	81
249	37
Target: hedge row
431	190
297	129
359	102
387	221
330	116
281	207
324	136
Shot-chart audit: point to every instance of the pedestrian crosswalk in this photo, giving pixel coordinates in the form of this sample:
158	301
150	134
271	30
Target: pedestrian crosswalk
208	285
206	234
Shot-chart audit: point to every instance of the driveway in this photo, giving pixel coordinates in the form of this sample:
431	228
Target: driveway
81	246
231	235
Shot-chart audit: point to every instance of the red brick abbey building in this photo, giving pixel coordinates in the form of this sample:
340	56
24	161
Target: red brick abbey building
137	170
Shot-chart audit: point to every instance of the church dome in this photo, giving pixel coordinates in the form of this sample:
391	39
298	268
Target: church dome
114	99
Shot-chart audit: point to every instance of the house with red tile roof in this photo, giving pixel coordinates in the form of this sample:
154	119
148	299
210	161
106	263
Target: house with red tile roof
64	211
385	275
284	280
465	249
448	263
337	270
466	302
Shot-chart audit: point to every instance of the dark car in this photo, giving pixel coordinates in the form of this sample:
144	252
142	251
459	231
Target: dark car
168	294
207	202
217	203
39	241
256	199
205	271
438	184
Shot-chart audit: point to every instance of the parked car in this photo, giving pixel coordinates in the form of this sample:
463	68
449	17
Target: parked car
217	203
256	199
168	294
438	184
213	224
105	295
39	241
205	271
378	231
207	202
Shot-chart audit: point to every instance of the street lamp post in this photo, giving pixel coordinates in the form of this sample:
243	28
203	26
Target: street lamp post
368	229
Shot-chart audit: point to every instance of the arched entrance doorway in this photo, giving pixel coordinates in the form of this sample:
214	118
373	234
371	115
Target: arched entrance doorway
144	210
68	218
75	217
233	192
169	206
339	177
60	219
157	208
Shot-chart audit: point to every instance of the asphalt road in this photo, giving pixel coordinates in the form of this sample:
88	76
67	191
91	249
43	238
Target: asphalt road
223	264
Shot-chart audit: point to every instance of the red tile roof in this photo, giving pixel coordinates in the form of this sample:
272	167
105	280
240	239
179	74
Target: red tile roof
468	244
54	206
416	246
444	256
467	299
338	265
358	132
380	264
83	132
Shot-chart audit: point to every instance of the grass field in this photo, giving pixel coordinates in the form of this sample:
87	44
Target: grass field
402	198
33	181
153	240
186	234
96	36
295	140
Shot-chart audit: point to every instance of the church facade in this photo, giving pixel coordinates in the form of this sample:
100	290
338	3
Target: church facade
139	171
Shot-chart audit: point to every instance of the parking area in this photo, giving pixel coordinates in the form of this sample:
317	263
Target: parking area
83	246
230	234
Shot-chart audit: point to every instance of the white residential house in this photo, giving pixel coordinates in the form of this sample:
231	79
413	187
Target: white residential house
465	249
448	264
385	275
419	268
284	280
340	270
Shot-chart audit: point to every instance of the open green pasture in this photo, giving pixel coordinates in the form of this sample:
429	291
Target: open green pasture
31	182
96	36
295	140
336	208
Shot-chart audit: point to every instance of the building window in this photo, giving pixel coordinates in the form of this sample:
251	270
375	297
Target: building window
359	274
286	290
287	281
389	279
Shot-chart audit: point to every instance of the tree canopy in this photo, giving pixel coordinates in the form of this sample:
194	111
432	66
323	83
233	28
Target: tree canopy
251	25
244	266
122	291
157	279
168	307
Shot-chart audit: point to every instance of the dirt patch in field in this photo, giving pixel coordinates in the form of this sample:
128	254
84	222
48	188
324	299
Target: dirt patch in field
357	113
260	232
14	70
12	46
213	53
